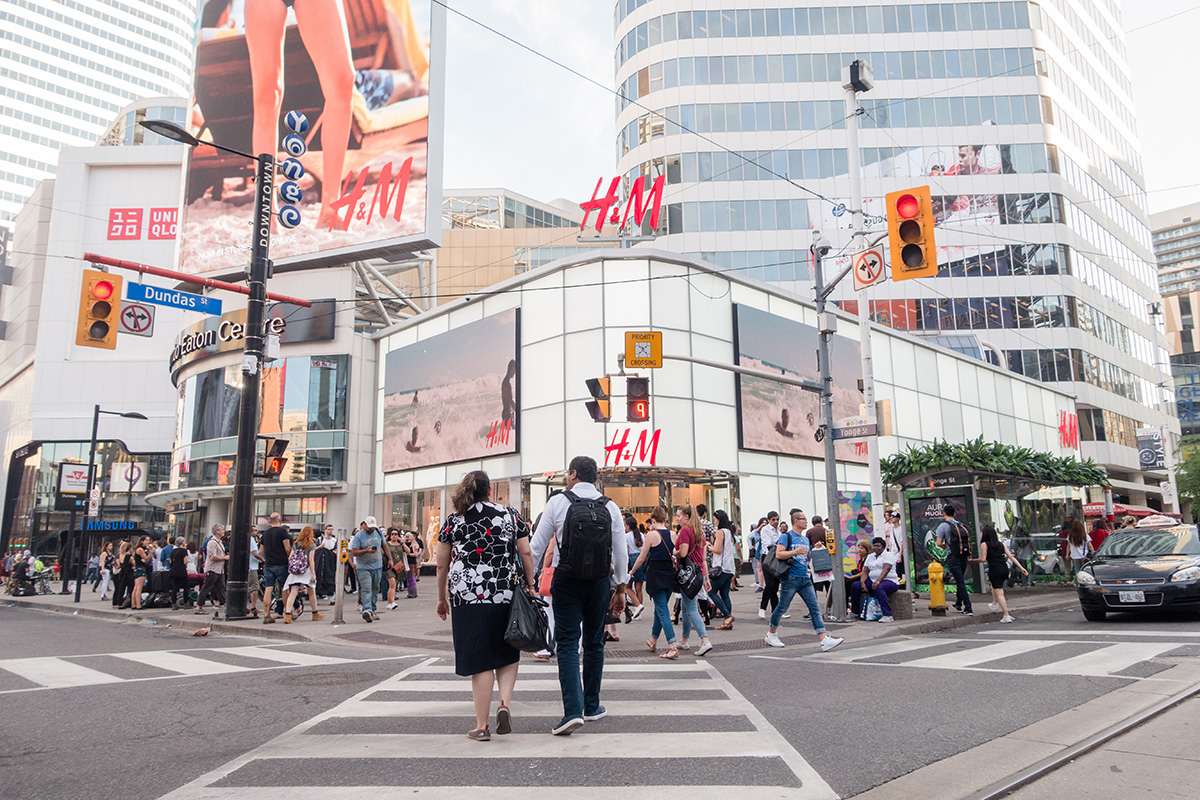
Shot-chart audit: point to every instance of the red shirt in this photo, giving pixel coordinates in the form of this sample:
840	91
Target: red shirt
688	536
1097	536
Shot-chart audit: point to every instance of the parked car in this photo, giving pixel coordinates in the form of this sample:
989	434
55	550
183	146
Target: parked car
1153	566
1045	559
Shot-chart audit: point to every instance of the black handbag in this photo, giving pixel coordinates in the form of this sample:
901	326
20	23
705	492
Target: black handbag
528	628
772	565
688	578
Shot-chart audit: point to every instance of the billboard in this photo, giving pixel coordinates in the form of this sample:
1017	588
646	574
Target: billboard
776	417
367	75
454	396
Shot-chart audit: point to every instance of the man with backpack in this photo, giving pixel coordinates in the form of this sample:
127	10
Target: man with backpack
954	536
589	535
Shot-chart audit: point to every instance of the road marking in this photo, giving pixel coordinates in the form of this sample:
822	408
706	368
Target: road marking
542	708
537	685
894	647
1106	660
55	673
980	655
286	656
1112	632
181	663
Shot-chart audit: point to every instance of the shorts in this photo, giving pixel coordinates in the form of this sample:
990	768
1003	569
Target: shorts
822	586
139	572
274	575
997	575
252	583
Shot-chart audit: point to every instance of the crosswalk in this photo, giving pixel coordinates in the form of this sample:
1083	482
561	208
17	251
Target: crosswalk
63	672
1020	656
408	735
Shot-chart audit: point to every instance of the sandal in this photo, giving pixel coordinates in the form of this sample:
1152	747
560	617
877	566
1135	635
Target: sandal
670	655
727	625
652	644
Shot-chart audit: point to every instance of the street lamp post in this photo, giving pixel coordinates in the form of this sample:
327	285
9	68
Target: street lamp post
91	483
237	593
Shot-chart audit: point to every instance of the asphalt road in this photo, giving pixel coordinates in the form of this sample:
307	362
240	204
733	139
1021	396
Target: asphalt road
99	709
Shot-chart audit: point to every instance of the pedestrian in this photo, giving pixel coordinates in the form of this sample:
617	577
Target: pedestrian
193	559
253	584
584	559
214	569
878	581
687	546
301	574
325	559
397	565
794	545
276	546
483	557
107	562
816	533
123	581
1079	547
893	542
412	552
737	556
996	555
177	570
768	536
141	569
657	559
1098	533
164	555
367	549
954	535
92	575
723	549
861	551
637	580
709	531
756	554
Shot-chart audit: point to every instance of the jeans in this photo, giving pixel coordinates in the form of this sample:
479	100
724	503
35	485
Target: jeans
720	592
771	592
662	616
92	576
879	591
369	579
789	589
105	580
958	567
579	603
691	617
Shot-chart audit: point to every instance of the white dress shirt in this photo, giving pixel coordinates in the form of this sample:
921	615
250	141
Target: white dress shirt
551	525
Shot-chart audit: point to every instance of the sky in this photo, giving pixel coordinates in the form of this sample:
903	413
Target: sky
516	121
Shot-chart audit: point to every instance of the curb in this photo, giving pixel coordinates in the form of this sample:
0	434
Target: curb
953	620
164	621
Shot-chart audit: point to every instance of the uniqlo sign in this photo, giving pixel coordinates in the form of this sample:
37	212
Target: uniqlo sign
124	223
163	223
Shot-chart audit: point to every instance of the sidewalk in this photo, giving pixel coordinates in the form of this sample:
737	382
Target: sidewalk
414	625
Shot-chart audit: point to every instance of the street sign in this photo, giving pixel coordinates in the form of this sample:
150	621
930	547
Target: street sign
643	349
142	293
94	502
855	428
868	269
136	318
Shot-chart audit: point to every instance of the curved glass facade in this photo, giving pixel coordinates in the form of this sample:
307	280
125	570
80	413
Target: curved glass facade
302	399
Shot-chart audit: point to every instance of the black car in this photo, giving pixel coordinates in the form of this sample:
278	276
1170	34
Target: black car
1153	566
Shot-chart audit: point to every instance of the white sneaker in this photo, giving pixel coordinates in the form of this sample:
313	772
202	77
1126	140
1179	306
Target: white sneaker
1007	619
886	619
392	606
762	613
774	640
830	642
637	611
787	616
993	606
704	648
332	601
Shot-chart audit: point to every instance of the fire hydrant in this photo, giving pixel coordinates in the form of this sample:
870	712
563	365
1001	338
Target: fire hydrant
937	590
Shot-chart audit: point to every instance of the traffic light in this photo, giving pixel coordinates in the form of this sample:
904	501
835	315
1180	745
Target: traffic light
601	407
637	399
910	234
99	310
273	460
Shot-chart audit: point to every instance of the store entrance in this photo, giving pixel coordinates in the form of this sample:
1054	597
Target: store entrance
639	491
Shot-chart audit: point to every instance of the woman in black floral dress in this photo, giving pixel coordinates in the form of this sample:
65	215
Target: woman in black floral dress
483	555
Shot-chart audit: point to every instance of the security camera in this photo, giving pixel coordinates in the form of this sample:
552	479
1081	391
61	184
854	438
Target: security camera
820	245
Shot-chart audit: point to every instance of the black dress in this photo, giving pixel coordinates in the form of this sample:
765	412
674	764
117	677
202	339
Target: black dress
660	572
484	570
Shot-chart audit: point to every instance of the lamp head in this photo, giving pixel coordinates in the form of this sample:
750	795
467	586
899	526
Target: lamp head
169	130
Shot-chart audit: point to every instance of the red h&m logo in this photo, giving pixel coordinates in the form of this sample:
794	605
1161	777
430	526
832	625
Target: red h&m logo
1068	430
636	202
124	223
387	192
499	433
644	453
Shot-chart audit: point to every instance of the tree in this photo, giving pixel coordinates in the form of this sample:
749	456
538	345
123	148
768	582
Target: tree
1187	476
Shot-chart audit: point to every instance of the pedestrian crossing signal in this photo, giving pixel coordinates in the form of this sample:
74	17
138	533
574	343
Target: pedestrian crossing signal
273	461
637	399
600	407
99	310
910	234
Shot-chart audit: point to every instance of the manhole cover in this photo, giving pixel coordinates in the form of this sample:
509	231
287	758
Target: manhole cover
327	679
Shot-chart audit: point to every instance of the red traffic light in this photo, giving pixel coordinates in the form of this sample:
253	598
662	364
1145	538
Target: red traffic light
907	206
102	290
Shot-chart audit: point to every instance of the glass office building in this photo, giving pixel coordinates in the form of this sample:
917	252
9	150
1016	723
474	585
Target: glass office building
67	67
1177	247
1017	115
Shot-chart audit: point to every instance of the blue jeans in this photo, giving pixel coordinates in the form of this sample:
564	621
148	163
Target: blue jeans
579	603
788	589
959	567
720	592
369	579
692	621
662	617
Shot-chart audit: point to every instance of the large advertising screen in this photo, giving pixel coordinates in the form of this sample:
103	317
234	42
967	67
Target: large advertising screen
777	417
366	75
454	396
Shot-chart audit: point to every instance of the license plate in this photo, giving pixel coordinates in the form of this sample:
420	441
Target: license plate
1132	597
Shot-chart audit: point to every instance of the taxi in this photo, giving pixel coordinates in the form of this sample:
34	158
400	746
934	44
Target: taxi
1151	567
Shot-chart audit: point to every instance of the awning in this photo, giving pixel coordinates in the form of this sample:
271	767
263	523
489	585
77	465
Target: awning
1121	510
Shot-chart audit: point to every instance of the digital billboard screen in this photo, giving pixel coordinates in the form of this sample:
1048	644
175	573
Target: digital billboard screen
780	418
366	75
454	396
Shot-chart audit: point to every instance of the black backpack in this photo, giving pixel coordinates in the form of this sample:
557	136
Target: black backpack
586	538
959	543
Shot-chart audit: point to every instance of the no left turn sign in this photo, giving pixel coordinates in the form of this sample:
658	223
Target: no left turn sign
868	269
137	318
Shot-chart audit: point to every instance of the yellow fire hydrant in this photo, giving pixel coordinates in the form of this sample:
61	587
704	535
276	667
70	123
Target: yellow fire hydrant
937	590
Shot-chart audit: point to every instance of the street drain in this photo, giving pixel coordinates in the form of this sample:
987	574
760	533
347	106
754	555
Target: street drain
327	679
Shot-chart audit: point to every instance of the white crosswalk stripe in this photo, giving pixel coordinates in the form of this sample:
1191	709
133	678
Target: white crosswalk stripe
397	726
1035	655
89	670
